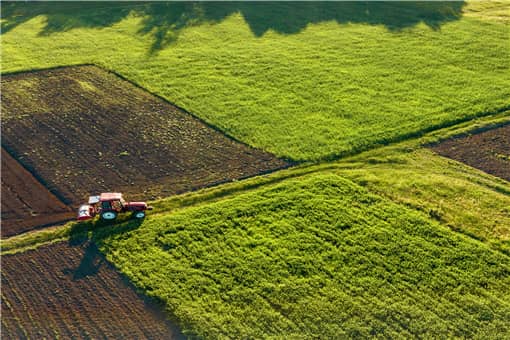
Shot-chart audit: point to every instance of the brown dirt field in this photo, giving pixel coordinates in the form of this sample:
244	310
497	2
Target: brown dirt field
68	292
83	130
26	203
488	151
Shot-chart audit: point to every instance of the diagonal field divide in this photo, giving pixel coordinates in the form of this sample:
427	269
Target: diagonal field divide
26	203
81	130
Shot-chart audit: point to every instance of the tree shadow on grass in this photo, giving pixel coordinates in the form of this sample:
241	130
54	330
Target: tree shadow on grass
163	21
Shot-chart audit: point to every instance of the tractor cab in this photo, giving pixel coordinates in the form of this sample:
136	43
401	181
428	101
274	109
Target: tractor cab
111	202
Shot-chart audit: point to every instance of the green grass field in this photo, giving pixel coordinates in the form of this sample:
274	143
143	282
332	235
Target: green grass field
465	200
391	242
316	256
304	81
305	252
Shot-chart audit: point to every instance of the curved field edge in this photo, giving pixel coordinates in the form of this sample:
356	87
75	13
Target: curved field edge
354	79
309	256
373	169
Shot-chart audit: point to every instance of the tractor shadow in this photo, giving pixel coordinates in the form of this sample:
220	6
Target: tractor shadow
162	22
88	235
97	229
90	263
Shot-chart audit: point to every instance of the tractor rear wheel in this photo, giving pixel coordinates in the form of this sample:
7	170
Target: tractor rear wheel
139	214
109	215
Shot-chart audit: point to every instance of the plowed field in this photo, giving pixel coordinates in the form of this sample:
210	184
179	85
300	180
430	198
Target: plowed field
488	151
72	292
84	130
26	203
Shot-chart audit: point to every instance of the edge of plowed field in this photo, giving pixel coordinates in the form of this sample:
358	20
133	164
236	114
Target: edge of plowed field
290	162
36	176
36	238
421	133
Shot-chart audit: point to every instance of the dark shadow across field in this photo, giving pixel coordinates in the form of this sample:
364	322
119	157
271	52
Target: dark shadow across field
162	21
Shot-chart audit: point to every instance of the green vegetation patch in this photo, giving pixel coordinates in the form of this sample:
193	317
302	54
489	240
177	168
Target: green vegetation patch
317	256
306	81
460	197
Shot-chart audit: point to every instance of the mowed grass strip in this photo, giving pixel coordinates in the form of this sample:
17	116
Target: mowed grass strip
317	256
306	81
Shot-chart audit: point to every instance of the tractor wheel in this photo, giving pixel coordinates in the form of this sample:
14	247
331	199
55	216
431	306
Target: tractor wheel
139	214
109	215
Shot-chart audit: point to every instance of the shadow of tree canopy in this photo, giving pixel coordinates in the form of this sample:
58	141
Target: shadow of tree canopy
163	21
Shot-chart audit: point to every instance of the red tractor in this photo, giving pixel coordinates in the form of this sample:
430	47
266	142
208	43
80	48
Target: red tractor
108	205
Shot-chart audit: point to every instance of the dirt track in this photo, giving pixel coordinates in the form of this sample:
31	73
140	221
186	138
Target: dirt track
72	292
488	151
26	203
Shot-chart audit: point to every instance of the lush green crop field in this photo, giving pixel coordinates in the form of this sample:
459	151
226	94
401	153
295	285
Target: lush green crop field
465	200
316	256
395	242
306	81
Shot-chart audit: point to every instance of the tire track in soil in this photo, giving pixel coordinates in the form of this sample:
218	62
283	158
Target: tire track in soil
73	292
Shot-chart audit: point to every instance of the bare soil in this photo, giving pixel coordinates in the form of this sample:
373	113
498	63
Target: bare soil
488	151
26	203
69	292
84	130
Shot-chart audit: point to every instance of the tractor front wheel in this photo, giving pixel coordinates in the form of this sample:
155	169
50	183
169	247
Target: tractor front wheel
109	215
139	214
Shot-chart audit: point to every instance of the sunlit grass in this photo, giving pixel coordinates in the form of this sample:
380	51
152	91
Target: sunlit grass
414	246
464	199
316	256
326	90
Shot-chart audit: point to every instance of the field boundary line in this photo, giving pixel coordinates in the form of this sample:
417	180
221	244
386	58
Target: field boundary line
292	162
35	70
201	120
472	132
160	97
36	238
38	178
413	135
